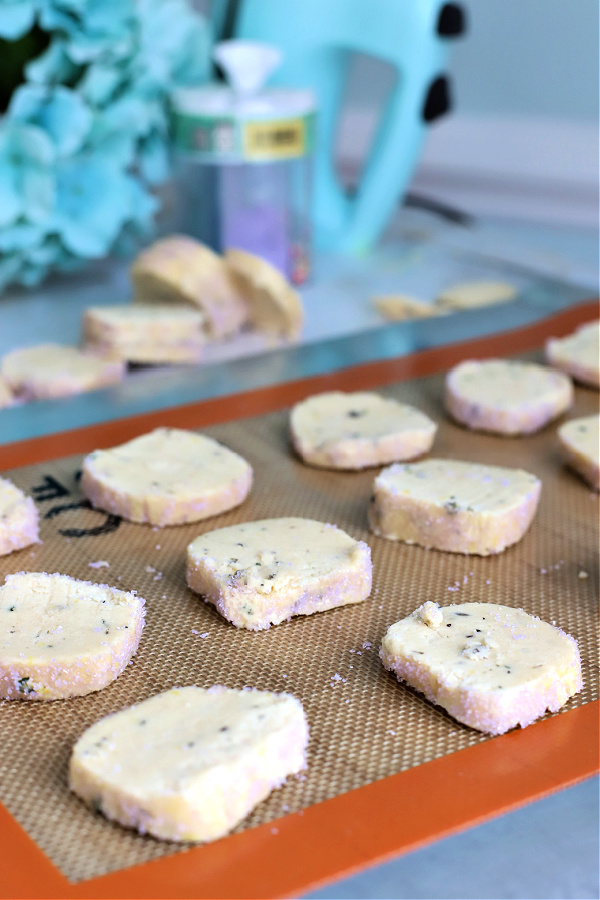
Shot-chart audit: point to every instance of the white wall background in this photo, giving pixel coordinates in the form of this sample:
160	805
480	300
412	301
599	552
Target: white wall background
522	139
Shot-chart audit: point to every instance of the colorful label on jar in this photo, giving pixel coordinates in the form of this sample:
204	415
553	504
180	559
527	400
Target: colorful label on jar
226	139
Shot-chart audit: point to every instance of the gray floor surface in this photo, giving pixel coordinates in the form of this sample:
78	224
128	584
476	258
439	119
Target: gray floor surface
548	849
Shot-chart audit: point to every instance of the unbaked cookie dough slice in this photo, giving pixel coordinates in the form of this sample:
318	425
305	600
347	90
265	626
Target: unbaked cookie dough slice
189	764
146	333
179	269
6	394
578	354
353	431
47	371
61	638
579	441
275	307
19	520
261	573
505	396
166	477
472	294
397	307
491	667
455	506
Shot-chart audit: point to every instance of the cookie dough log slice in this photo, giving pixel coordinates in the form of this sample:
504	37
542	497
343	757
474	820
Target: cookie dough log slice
166	477
146	333
274	306
578	354
398	307
505	396
19	520
262	573
455	506
474	294
179	269
47	371
6	393
61	638
491	667
353	431
579	441
208	757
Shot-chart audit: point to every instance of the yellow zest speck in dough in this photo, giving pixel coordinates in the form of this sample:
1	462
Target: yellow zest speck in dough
166	477
61	638
340	430
578	354
18	519
262	573
455	506
506	397
491	667
49	370
189	764
579	441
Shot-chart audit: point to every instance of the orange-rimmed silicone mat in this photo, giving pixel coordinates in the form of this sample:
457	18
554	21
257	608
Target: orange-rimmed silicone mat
368	732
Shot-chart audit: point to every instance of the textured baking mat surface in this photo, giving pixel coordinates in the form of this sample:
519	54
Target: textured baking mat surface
364	724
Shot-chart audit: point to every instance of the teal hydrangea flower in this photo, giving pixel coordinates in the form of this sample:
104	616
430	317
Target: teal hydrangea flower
85	138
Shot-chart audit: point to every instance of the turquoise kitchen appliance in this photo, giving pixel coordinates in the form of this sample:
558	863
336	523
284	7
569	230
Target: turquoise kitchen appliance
317	39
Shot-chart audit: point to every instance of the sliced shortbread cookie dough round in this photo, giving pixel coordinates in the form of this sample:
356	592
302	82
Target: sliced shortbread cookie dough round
146	333
506	397
62	637
459	507
397	307
579	441
353	431
472	294
19	520
491	667
578	354
47	371
179	269
189	764
274	306
166	477
261	573
6	393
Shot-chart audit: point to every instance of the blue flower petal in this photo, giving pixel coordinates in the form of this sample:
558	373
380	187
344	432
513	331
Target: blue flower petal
20	237
100	82
154	159
11	199
92	205
9	269
117	147
52	66
16	18
26	176
59	111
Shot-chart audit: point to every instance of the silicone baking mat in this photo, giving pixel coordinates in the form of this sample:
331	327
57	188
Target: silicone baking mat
365	726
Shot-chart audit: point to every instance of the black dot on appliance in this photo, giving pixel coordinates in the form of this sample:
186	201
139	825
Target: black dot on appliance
437	101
